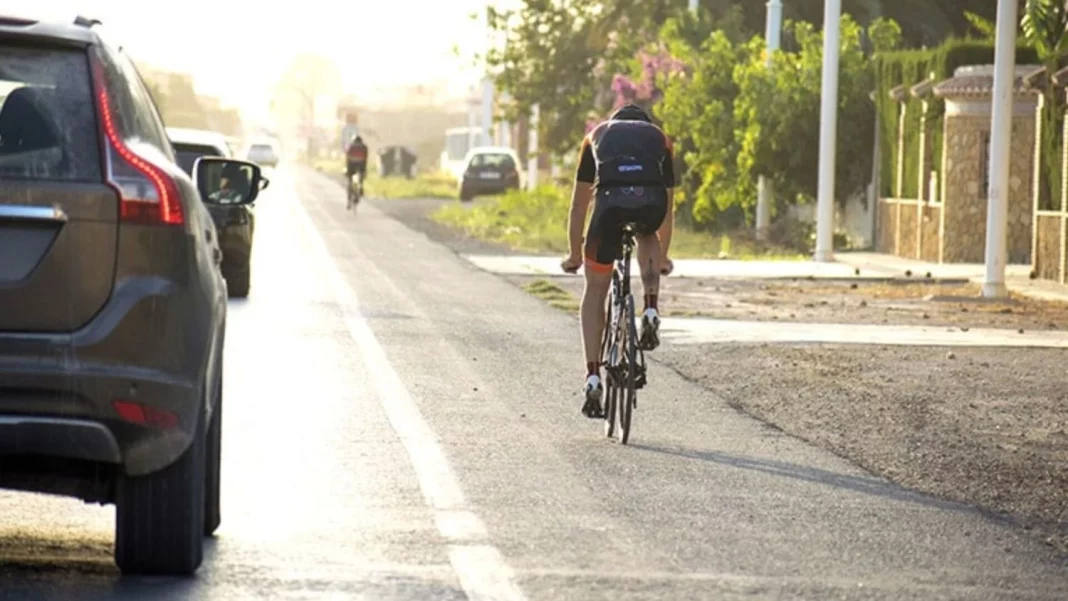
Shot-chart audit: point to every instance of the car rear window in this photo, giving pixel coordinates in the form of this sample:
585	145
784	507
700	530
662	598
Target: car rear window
189	153
500	161
48	124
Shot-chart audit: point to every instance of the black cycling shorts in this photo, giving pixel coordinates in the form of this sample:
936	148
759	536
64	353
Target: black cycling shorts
356	167
643	206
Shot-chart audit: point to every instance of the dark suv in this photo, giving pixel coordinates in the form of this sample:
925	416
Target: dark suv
112	302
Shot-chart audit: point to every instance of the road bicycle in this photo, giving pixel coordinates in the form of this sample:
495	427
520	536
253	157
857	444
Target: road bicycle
623	360
355	190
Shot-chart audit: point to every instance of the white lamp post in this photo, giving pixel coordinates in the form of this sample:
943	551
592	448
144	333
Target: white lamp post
772	35
832	13
997	211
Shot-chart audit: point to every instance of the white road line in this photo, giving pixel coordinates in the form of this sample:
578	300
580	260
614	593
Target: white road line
480	568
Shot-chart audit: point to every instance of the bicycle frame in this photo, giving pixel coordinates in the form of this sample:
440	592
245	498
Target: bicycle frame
618	298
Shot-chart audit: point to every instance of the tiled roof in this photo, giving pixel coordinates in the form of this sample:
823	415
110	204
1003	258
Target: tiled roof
978	80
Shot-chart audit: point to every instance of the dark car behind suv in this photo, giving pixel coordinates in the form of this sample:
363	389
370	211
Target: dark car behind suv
112	303
489	170
234	222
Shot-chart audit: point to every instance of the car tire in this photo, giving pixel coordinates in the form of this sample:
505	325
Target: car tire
159	517
240	281
213	465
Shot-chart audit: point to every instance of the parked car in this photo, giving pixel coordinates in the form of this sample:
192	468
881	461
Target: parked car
263	153
235	223
112	303
489	170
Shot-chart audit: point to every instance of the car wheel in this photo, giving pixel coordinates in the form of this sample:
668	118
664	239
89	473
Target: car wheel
159	517
239	283
213	465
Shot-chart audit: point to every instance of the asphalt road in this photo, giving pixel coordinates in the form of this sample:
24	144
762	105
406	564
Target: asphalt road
400	425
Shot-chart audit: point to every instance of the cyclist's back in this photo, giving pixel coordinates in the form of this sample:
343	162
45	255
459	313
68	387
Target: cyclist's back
626	154
356	156
630	164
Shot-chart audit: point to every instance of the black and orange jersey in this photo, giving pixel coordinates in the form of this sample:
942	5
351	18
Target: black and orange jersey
627	153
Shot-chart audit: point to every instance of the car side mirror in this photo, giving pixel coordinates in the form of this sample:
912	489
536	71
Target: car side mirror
225	181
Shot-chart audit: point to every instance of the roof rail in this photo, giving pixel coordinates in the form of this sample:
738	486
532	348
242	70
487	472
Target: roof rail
86	21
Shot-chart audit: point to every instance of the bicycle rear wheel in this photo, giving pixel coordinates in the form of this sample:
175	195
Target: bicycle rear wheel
628	387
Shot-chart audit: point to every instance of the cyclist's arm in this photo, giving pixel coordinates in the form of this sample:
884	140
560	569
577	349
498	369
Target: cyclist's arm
668	227
585	177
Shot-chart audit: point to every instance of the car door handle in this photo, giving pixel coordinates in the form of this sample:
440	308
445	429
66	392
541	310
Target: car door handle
31	213
217	255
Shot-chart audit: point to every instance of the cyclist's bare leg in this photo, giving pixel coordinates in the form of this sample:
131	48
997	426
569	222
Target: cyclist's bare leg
649	258
592	313
592	318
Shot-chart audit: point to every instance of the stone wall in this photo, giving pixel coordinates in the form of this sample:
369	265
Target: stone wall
966	159
887	226
1049	243
932	235
908	223
1047	264
915	219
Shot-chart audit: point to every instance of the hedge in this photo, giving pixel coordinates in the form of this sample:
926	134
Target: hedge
910	67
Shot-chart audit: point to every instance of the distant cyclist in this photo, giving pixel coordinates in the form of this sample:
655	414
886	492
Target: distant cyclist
356	160
626	167
233	186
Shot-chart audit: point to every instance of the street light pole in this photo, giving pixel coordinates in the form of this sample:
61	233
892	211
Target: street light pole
832	14
765	192
487	111
997	211
532	147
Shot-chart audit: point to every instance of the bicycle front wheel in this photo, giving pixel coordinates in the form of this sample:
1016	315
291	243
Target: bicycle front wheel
611	388
628	387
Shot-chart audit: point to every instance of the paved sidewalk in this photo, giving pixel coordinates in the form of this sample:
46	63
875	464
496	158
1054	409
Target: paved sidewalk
1018	277
685	268
699	330
849	265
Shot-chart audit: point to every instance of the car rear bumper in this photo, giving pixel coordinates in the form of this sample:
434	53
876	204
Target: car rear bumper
488	186
58	437
58	392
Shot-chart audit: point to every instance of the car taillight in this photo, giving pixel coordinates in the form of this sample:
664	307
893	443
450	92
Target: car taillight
145	415
147	193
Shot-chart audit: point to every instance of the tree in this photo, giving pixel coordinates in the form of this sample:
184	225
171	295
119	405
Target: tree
778	112
564	54
736	119
698	112
1045	27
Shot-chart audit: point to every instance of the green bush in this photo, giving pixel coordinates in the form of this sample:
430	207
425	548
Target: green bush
534	221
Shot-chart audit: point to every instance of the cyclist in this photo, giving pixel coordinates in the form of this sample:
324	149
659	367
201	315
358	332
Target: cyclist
233	186
626	167
356	160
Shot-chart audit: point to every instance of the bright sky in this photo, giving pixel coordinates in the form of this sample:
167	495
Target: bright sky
236	49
